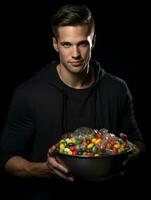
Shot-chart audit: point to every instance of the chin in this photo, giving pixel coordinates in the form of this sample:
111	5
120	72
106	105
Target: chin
77	70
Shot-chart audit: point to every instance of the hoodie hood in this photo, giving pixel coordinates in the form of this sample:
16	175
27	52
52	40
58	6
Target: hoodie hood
50	75
53	78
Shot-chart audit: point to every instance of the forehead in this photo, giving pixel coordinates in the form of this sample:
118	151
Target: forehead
73	33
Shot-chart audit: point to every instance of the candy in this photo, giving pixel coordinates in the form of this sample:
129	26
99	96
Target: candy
91	143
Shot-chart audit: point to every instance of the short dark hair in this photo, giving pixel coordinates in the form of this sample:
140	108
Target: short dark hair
72	15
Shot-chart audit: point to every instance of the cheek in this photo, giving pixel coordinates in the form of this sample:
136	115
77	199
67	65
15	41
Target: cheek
63	53
86	53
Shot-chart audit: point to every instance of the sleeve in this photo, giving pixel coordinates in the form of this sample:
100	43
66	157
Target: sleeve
18	130
129	124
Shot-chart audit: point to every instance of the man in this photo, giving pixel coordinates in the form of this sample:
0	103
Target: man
66	95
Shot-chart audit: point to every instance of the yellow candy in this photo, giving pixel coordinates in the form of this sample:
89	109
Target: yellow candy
68	140
117	146
62	147
90	145
93	140
98	141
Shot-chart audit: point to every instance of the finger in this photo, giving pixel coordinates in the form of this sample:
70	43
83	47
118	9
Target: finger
51	151
61	175
52	163
134	148
61	162
123	136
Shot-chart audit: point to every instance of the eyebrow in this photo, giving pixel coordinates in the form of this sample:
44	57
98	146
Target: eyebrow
83	42
79	43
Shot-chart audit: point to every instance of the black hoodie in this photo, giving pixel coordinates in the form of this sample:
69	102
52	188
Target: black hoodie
43	108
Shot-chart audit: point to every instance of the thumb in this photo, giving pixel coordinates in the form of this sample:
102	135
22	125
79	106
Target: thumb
123	137
51	151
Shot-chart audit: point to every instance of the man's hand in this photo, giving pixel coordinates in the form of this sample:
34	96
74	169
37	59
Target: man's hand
135	149
132	156
55	167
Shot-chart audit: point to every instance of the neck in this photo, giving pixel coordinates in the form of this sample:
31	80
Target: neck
78	81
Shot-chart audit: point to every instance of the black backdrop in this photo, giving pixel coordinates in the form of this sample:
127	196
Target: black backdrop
122	47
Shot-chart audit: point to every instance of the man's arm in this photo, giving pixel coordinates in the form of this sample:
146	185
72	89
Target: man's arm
18	166
128	121
21	167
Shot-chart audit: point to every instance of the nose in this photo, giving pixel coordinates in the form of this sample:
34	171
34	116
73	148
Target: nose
76	53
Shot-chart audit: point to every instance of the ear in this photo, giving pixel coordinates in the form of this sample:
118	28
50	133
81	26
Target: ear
55	44
93	41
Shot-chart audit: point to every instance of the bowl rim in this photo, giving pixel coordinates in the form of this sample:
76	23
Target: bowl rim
96	157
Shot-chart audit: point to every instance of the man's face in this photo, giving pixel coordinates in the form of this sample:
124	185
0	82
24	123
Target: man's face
74	45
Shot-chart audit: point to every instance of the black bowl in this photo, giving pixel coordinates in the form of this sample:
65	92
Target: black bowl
94	168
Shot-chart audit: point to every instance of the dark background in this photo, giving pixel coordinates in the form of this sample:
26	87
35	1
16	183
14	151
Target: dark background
122	47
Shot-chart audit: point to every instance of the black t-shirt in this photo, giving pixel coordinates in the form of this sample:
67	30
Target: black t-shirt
79	108
79	105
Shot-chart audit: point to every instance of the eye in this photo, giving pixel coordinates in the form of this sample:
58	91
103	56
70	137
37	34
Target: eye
84	43
66	44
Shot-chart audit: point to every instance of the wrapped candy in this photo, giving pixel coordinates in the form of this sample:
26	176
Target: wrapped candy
89	142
